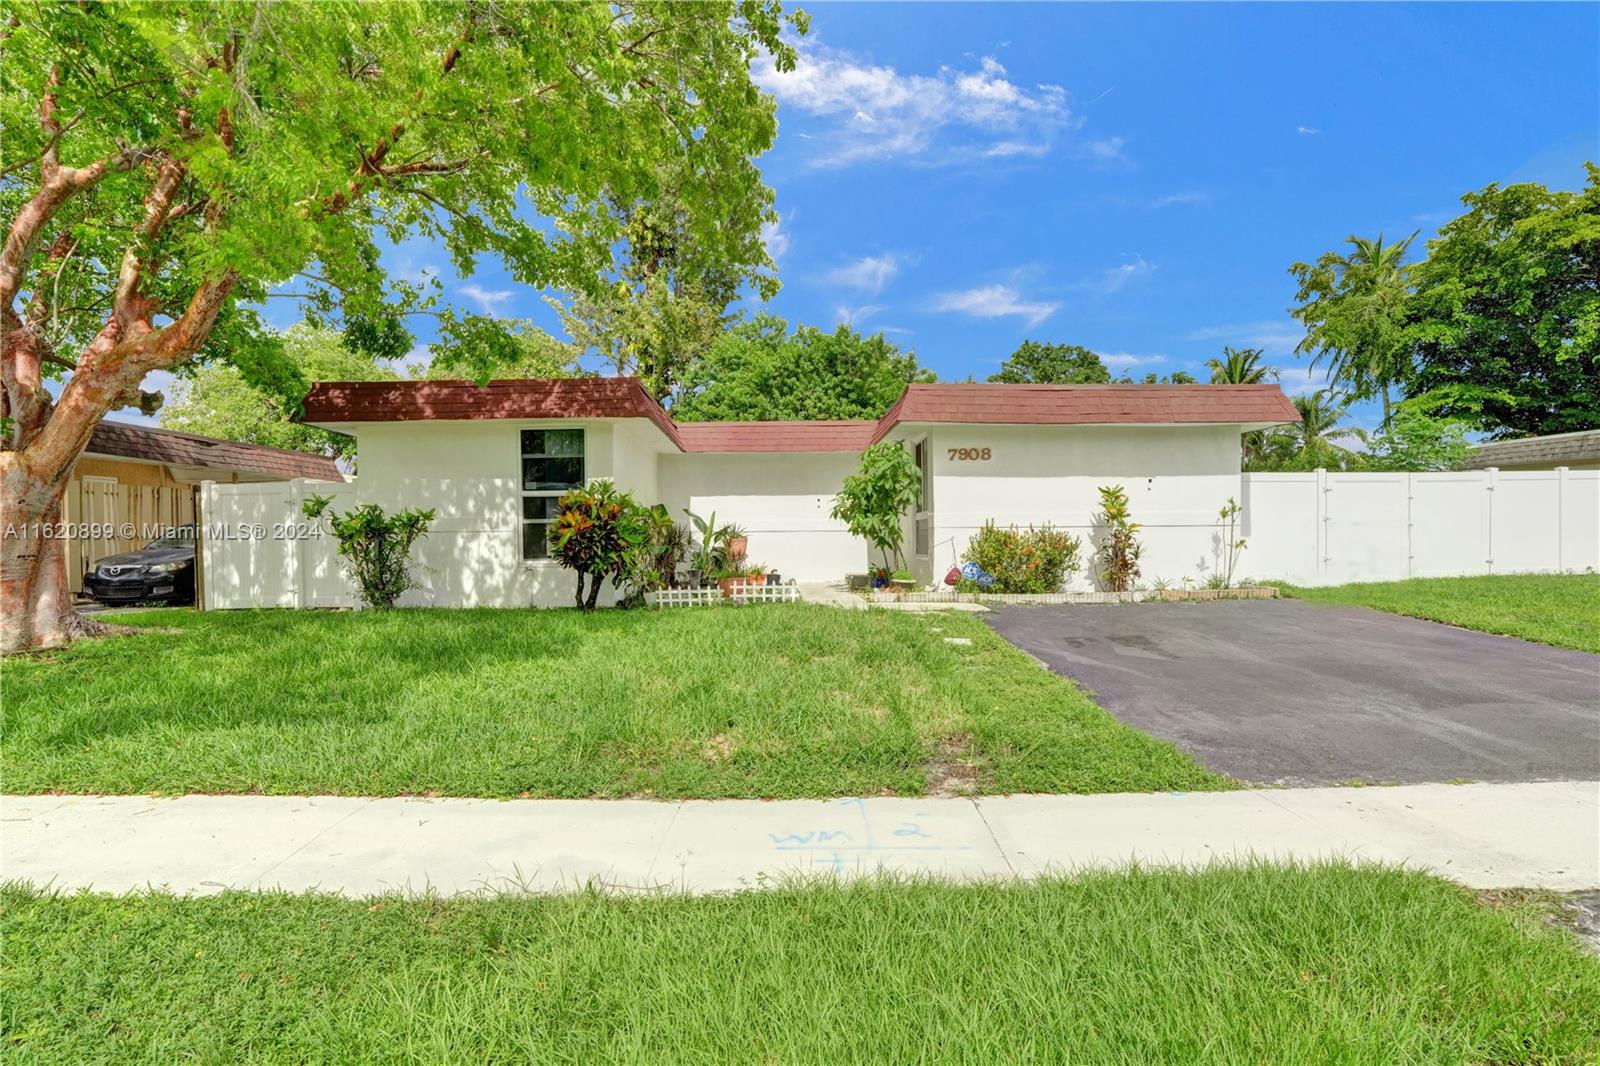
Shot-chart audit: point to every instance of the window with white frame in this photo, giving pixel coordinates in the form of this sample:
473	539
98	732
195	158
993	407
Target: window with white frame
922	525
552	463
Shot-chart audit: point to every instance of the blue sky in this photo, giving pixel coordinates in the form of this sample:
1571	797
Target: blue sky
1135	178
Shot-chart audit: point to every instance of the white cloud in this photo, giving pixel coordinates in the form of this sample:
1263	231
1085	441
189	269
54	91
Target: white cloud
1301	380
882	113
852	316
1129	359
1276	337
869	273
1196	199
1307	131
1105	151
489	300
776	238
1003	149
994	301
1117	278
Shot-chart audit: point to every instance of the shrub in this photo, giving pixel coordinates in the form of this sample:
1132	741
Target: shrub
1034	561
874	499
653	562
1119	549
375	547
598	532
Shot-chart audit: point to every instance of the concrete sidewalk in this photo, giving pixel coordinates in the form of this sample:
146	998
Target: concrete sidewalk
1490	836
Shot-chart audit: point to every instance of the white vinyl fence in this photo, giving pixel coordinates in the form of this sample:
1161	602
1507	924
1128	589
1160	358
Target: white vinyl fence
1320	528
1328	528
258	549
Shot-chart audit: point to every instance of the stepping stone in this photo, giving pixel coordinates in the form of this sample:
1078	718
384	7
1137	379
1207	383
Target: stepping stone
958	640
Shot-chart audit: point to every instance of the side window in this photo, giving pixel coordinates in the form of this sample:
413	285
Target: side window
552	463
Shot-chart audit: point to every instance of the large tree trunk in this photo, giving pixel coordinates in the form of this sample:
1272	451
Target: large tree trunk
35	604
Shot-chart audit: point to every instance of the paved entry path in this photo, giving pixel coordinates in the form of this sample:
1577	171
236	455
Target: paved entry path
1545	834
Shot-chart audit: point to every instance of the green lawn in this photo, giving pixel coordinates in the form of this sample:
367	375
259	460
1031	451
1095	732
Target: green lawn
769	701
1261	964
1560	609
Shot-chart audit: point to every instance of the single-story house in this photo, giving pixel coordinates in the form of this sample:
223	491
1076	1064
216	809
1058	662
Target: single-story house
132	480
1575	451
493	460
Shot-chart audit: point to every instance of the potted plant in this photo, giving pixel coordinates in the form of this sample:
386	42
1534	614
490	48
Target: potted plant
738	575
735	541
902	581
708	555
773	578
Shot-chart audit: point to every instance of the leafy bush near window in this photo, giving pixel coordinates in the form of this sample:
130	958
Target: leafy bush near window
1118	553
375	547
1035	560
599	531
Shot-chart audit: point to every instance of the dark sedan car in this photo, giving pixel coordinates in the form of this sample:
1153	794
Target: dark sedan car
161	570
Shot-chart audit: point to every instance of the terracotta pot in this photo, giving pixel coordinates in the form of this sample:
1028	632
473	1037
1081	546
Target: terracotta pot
738	546
729	585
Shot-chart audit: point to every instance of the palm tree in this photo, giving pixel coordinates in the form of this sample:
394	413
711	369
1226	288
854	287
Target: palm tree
1240	367
1320	415
1353	308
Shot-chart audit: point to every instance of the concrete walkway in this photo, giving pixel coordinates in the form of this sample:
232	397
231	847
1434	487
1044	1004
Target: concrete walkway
1545	834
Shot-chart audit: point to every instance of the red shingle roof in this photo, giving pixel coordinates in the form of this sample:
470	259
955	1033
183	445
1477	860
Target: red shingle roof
405	401
397	401
1070	405
126	441
776	436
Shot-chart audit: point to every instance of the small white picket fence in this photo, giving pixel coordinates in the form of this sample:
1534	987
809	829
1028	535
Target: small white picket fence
740	593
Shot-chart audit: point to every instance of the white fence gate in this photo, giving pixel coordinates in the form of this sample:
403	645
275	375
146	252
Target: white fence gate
258	549
1328	528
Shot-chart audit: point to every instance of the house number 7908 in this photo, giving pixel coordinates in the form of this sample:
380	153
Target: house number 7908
970	455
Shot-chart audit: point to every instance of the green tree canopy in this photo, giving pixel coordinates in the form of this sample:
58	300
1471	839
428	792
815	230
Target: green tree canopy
1240	366
483	349
670	298
1505	320
759	371
1314	441
1354	306
1052	364
1416	439
167	165
217	401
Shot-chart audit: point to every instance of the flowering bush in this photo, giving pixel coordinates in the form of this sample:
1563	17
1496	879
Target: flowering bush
1037	560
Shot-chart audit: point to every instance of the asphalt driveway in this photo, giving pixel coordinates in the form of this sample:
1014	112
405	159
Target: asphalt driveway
1282	691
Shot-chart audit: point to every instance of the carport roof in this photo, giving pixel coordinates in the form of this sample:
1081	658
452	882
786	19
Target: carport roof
341	403
123	440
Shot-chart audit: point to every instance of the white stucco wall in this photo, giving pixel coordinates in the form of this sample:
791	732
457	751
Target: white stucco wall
782	500
1177	478
470	473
